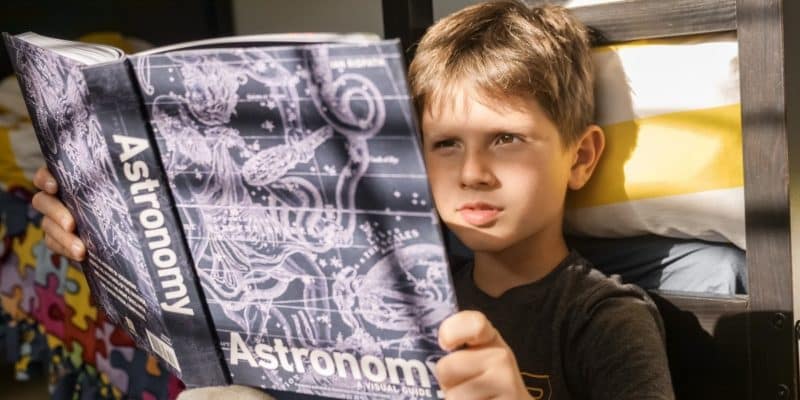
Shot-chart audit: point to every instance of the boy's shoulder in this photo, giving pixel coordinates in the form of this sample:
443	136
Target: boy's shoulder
574	283
595	299
588	286
575	298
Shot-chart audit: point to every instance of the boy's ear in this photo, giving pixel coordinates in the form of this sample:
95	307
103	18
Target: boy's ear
587	151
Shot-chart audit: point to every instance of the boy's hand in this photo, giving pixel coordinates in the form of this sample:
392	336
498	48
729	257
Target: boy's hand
58	224
485	368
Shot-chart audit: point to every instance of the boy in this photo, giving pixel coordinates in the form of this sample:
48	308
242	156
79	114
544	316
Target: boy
504	96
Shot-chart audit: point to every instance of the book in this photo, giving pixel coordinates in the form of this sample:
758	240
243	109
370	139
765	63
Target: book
256	210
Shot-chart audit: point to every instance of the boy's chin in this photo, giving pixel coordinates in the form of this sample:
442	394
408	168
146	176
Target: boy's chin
479	241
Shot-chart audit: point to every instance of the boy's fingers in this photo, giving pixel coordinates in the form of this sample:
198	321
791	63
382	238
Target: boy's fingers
460	366
56	233
478	388
469	328
61	241
53	208
45	181
480	373
55	246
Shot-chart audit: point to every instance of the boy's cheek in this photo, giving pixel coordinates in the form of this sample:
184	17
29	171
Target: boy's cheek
440	193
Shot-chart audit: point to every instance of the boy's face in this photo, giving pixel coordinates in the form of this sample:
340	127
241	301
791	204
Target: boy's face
498	173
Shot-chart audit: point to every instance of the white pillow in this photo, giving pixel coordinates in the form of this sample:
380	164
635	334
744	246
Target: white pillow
673	159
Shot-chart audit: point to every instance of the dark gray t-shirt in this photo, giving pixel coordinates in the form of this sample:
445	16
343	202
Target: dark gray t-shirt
578	334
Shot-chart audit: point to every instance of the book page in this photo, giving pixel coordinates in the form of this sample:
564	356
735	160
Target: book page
84	53
267	39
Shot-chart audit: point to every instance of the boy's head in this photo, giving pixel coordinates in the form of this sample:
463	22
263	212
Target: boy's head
505	96
505	49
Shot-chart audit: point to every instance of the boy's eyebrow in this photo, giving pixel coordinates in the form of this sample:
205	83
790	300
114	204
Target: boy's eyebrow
437	135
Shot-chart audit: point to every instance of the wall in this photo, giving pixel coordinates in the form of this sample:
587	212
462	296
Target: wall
275	16
444	7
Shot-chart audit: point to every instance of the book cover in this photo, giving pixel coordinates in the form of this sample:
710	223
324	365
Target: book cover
263	204
189	344
299	181
120	266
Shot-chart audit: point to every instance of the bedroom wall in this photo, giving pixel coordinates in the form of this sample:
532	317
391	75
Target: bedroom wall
272	16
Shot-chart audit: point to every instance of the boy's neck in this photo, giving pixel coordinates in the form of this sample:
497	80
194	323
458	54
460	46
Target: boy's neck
524	262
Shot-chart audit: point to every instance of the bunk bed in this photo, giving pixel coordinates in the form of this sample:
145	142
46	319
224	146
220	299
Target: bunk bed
744	346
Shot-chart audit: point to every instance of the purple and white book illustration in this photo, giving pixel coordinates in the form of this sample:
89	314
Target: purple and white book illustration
76	154
298	179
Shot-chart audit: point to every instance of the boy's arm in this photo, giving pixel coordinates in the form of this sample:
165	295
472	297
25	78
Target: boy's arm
620	351
485	368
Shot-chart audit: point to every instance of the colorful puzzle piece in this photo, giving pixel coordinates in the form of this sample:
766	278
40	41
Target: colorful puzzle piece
23	247
10	280
52	309
54	342
118	376
141	382
46	267
83	336
5	241
88	356
79	299
153	367
11	303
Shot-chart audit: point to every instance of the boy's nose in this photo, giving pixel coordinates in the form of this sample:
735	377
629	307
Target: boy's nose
476	172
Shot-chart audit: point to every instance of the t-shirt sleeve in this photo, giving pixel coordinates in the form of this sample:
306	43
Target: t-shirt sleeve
618	349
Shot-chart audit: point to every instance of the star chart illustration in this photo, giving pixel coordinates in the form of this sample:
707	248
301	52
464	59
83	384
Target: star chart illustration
76	154
301	189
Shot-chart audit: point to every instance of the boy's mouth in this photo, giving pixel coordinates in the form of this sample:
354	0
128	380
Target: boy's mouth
478	214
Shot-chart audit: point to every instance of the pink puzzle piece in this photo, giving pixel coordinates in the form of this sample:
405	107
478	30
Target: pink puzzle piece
52	309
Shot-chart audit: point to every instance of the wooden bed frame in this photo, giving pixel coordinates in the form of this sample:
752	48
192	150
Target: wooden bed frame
742	347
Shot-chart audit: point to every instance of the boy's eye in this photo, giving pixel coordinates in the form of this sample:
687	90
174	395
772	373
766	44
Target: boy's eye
506	138
443	144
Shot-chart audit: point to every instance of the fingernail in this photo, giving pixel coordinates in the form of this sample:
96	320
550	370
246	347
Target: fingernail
50	185
77	249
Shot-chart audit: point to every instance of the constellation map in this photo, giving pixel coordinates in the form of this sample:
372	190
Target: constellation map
76	154
302	193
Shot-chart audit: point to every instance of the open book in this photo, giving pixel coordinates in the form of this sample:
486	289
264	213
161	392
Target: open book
255	209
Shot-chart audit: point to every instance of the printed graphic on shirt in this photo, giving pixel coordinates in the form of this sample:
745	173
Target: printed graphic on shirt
538	385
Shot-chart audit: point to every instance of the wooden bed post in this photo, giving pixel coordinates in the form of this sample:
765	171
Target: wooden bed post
769	59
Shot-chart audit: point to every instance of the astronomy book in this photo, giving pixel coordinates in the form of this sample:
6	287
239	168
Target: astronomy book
255	209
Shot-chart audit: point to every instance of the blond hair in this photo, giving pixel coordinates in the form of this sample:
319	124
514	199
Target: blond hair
506	49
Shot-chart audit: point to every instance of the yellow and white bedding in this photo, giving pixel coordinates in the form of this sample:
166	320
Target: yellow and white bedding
673	159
